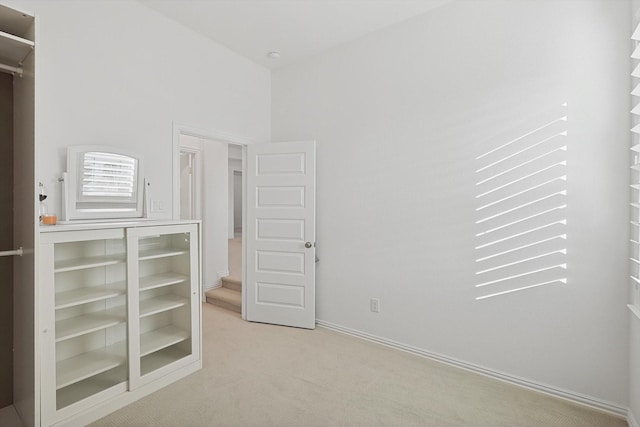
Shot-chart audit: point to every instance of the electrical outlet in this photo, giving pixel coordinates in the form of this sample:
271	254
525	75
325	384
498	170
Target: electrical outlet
157	206
374	305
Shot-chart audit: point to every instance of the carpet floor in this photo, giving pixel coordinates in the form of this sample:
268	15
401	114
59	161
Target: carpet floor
262	375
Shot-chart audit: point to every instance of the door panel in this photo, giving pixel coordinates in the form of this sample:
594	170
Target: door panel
292	197
280	262
280	285
280	229
281	164
279	294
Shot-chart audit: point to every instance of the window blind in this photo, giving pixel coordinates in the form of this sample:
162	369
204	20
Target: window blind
107	177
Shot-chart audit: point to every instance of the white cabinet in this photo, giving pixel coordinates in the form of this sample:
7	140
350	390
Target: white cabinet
164	296
119	315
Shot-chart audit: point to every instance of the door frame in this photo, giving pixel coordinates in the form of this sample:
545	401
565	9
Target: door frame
182	129
196	178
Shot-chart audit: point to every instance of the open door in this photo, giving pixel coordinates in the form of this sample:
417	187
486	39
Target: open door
280	237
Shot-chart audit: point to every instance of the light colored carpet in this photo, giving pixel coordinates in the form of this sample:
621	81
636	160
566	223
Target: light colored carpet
263	375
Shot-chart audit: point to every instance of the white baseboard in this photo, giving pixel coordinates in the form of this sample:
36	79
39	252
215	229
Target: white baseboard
210	286
217	283
588	401
632	420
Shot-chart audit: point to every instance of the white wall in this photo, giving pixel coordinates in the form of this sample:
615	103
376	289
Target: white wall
235	206
118	73
212	187
634	335
400	117
215	216
237	200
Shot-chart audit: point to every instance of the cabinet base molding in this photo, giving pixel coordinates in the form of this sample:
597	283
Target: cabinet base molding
99	411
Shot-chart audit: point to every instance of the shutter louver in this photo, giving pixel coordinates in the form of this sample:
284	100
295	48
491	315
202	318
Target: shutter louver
108	175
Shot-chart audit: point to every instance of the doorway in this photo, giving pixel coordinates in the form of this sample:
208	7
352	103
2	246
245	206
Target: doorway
210	183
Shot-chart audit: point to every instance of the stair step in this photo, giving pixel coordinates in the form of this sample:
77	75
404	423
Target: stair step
225	298
232	283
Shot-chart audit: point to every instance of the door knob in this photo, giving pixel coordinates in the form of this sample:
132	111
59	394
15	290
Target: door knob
308	245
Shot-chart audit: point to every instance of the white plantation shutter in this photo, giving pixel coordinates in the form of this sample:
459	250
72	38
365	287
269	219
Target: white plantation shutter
102	182
635	172
107	177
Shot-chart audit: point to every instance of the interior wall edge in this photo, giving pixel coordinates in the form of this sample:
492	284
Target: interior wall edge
581	399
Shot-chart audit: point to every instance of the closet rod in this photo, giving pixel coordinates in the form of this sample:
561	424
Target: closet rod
18	252
10	69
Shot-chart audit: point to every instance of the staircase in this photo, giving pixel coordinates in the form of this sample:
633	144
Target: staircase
228	296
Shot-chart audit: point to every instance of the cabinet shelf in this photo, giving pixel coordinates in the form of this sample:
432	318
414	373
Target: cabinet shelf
89	294
14	49
87	323
108	380
160	280
89	364
160	253
161	338
84	263
161	358
161	303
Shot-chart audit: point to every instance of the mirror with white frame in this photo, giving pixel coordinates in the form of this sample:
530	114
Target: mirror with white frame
102	182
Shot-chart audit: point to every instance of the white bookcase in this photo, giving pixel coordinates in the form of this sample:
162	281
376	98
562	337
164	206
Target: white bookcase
119	315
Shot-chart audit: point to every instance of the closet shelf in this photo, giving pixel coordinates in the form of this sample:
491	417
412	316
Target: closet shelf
108	380
161	303
160	280
87	323
89	262
89	294
161	338
14	49
161	358
160	253
86	365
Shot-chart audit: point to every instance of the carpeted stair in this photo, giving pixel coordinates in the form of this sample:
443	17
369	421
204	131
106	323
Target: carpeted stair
228	296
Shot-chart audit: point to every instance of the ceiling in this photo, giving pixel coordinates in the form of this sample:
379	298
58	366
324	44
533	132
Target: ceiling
295	28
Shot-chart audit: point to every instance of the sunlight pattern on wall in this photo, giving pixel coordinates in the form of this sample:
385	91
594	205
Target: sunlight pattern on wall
635	176
521	240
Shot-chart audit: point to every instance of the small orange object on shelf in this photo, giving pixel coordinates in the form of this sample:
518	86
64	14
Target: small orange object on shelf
49	219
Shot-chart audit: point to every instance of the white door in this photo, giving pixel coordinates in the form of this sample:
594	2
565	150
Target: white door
280	237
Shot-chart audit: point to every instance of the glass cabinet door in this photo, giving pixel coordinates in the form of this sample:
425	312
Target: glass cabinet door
164	307
87	325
